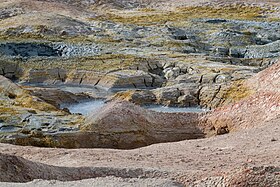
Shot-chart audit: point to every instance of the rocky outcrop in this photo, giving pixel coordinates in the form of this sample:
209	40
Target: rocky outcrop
269	50
192	84
120	79
179	95
259	103
24	113
20	97
182	95
130	79
48	76
266	51
120	125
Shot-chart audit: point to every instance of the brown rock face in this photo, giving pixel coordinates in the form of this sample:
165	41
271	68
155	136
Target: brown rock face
130	126
263	104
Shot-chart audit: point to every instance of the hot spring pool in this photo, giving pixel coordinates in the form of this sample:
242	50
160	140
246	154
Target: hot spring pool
86	107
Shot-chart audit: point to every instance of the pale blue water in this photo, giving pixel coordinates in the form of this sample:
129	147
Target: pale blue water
165	109
85	108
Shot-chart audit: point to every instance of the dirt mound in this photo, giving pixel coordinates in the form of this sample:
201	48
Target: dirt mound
126	125
17	169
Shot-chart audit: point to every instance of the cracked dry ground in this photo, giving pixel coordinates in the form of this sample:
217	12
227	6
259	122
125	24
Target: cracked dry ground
219	55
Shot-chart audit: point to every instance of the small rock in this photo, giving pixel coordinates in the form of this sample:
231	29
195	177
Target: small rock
25	131
66	110
273	140
32	111
36	133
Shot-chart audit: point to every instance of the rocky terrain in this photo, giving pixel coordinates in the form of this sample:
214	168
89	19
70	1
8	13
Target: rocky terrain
218	60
